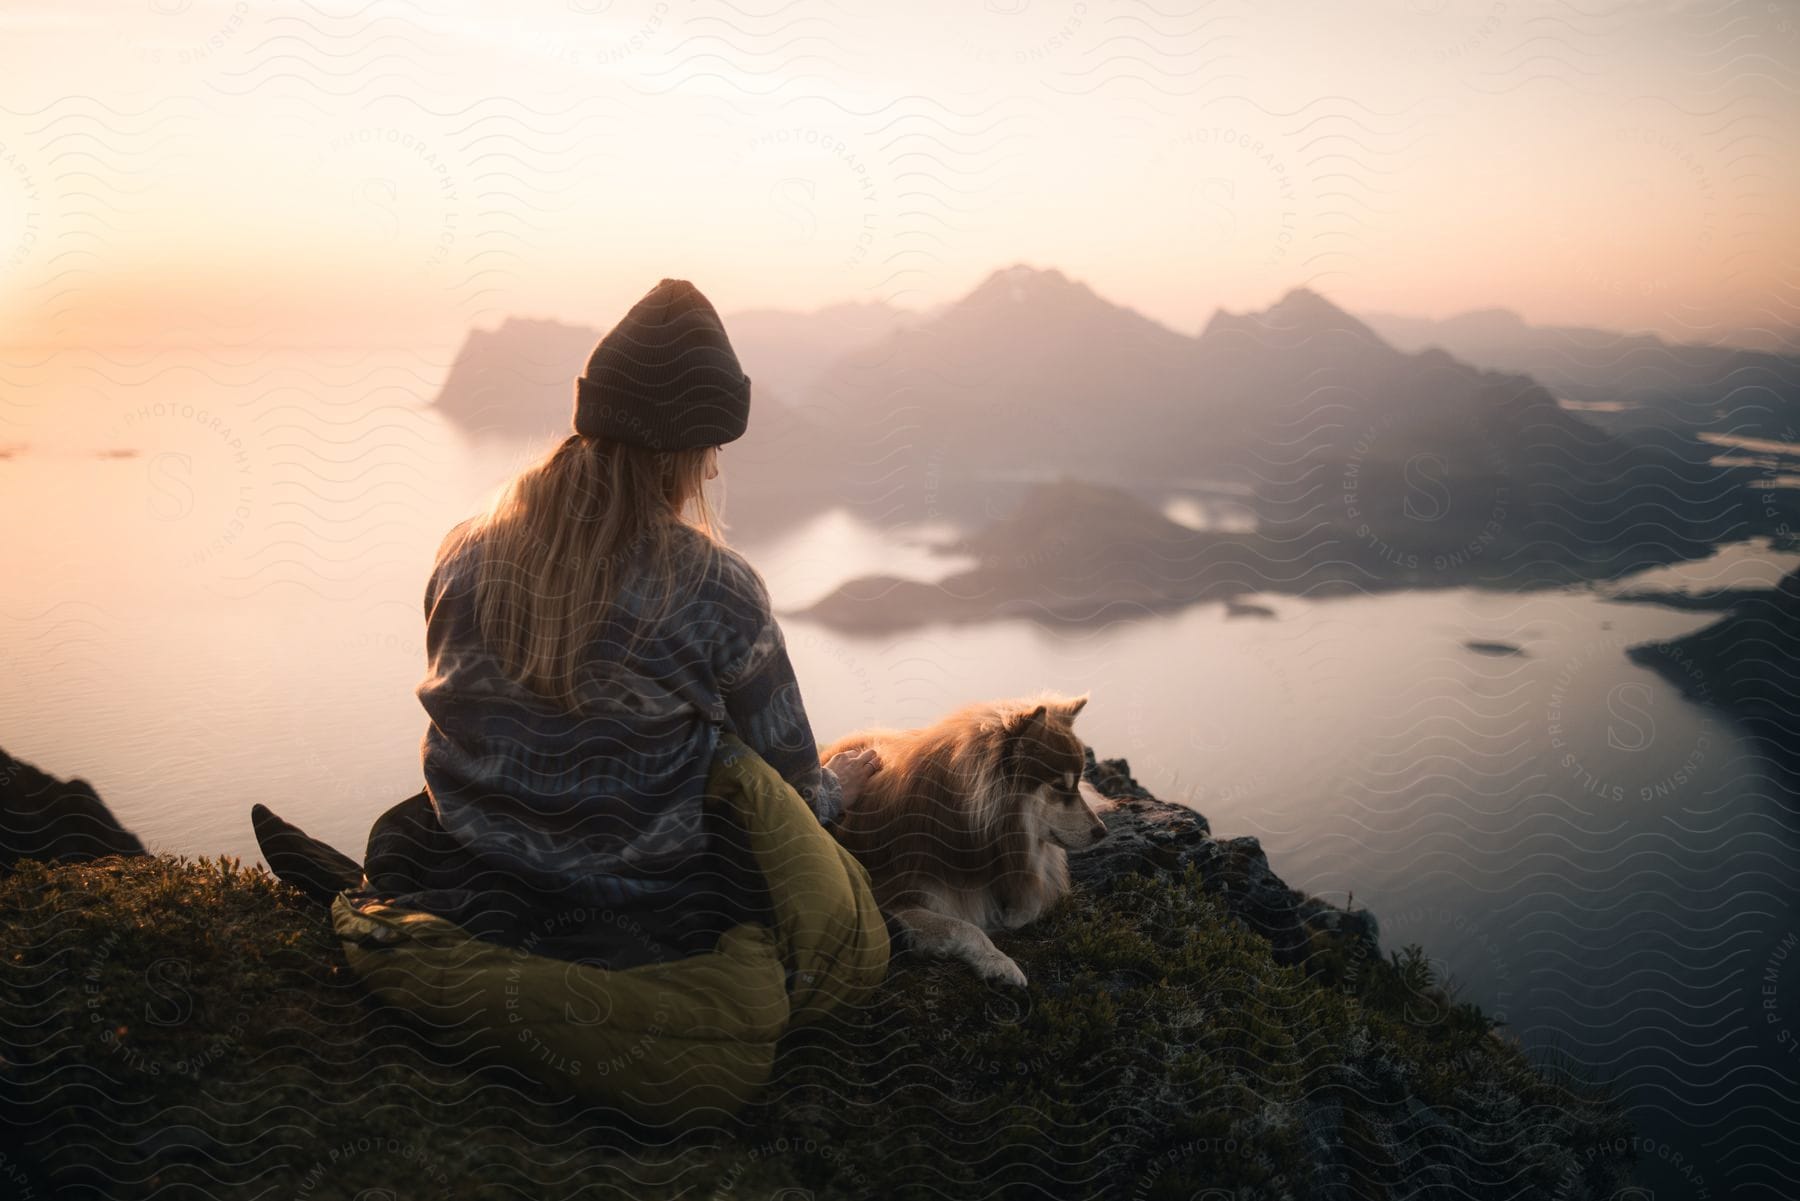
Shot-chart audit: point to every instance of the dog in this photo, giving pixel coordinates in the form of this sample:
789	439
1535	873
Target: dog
968	824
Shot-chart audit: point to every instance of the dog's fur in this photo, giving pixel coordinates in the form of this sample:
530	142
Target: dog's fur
967	826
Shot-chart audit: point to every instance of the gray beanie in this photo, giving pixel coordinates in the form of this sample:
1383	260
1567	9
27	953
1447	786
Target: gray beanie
666	377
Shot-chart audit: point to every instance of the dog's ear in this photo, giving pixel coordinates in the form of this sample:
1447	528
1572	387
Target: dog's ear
1027	728
1026	736
1067	709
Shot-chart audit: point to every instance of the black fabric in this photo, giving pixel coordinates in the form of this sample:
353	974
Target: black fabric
316	869
665	377
410	854
898	937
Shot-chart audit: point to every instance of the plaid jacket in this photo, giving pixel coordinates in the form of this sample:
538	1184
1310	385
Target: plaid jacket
601	811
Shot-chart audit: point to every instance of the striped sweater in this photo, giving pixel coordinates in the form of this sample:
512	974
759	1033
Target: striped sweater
600	812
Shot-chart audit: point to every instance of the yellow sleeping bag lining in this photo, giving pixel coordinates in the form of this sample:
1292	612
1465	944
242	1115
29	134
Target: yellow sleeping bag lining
681	1042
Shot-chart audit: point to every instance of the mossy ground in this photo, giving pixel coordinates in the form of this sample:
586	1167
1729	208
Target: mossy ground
184	1028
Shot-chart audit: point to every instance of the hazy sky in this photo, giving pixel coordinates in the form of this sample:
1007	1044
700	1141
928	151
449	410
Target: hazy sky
245	172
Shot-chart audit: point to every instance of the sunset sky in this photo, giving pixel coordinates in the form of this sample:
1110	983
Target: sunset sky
222	173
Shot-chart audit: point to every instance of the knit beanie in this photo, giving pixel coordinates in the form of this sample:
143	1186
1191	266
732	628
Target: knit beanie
666	377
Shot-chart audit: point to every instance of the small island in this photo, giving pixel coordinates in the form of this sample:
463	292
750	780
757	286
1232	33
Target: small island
1072	552
1499	650
1239	608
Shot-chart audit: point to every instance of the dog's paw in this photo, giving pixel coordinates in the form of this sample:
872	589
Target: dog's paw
1001	969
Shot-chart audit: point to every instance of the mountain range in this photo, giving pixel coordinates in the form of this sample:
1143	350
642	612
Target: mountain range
1623	382
1408	464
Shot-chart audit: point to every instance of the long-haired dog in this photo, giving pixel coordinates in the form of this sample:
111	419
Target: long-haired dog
968	824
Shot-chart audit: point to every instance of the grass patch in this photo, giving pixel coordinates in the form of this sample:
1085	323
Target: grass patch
183	1027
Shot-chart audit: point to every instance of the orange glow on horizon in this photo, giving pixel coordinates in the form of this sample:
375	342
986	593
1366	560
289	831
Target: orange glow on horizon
203	172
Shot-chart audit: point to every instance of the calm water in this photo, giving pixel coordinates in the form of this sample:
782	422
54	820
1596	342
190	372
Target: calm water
231	613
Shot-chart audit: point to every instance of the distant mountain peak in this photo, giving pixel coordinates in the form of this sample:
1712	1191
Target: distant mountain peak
1021	282
1305	305
1299	311
1026	272
1026	305
1302	297
1493	316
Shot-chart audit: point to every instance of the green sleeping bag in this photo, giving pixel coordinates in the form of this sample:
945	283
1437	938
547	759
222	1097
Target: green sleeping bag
670	1043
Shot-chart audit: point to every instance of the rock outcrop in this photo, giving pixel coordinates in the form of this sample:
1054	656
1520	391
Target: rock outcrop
1747	664
1153	837
42	817
1193	1027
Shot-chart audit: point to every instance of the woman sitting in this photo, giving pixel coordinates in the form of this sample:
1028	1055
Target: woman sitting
590	639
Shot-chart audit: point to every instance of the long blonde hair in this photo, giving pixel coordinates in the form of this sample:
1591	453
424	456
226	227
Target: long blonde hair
563	538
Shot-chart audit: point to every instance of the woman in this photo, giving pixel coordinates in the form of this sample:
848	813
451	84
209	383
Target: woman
589	638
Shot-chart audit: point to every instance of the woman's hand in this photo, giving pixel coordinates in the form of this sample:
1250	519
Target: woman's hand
853	769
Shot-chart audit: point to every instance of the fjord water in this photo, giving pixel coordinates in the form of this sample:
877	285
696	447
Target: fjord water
219	614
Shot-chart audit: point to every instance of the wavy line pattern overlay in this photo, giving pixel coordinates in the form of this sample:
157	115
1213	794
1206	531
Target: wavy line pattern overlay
1073	371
